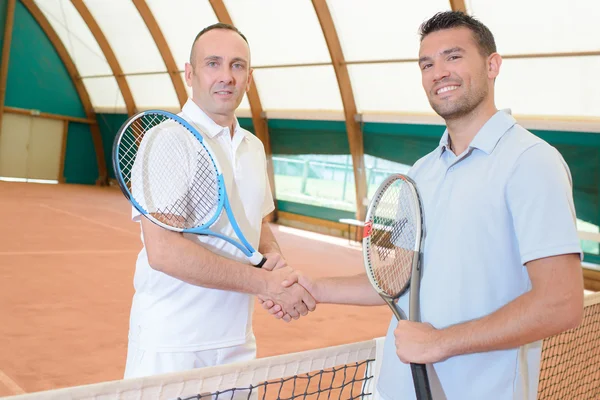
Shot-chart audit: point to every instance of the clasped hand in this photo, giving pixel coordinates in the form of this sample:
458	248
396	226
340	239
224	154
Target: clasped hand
284	297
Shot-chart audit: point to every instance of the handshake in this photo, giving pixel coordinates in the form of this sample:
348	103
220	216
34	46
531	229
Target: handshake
288	294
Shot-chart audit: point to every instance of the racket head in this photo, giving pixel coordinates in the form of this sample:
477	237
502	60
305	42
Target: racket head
392	236
167	172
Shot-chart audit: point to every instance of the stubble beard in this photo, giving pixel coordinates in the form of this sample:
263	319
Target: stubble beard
458	108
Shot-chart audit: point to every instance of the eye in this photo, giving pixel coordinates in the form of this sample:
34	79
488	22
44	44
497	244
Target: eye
238	66
425	66
454	57
212	64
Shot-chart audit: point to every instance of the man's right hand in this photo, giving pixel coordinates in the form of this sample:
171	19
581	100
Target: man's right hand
296	279
292	299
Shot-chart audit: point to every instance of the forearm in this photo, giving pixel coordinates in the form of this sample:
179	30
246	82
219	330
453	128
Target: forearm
529	318
185	260
268	243
351	290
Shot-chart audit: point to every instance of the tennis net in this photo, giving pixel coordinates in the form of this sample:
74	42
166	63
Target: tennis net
570	369
338	372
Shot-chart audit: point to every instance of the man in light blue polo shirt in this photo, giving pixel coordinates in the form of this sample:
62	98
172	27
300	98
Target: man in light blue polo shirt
501	257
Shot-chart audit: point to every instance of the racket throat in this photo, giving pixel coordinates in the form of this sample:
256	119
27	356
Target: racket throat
400	315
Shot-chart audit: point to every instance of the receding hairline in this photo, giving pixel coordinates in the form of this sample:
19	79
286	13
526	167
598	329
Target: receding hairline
216	28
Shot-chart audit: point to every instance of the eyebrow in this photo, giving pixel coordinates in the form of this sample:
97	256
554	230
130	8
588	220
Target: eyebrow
219	58
444	53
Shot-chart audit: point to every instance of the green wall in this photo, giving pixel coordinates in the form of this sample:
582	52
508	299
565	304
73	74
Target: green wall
38	80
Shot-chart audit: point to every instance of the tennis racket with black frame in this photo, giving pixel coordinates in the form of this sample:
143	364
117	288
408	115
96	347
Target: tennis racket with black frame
167	171
392	240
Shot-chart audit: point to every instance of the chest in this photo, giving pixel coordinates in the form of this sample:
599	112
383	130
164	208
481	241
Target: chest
468	192
242	166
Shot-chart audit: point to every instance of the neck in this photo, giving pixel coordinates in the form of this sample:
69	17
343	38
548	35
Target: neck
220	119
463	129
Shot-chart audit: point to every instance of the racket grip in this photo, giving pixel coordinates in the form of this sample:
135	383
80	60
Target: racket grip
261	263
421	381
257	259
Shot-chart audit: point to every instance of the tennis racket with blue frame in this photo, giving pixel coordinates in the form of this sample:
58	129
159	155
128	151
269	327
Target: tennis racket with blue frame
166	170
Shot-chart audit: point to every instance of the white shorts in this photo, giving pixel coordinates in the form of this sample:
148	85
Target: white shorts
146	363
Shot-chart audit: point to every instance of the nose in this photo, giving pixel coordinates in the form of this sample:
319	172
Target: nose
440	72
226	76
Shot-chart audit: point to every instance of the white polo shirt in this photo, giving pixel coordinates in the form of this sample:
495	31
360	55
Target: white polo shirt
505	201
168	314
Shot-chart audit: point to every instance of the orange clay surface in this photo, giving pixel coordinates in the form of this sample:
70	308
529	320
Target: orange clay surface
67	258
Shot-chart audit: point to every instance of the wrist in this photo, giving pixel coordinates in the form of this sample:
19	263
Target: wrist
262	281
449	342
317	291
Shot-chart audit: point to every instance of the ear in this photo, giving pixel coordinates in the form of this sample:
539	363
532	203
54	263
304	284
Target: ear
494	62
249	80
189	70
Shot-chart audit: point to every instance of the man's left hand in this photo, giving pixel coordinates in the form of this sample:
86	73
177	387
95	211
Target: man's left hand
419	343
274	261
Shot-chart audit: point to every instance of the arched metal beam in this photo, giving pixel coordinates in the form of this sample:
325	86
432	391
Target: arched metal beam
458	5
6	41
79	86
355	135
260	123
108	54
164	49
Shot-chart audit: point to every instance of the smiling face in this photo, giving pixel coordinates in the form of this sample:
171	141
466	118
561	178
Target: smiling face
456	77
219	73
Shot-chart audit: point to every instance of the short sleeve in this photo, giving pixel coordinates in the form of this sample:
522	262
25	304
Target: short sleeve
540	200
268	203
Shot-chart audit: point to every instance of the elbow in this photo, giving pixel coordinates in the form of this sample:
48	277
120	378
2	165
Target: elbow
575	317
156	256
572	313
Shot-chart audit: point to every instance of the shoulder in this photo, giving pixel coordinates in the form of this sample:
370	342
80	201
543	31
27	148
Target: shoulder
253	141
423	162
530	150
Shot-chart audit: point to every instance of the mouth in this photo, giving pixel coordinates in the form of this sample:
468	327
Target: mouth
446	89
224	93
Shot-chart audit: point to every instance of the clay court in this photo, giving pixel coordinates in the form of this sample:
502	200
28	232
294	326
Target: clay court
342	95
67	258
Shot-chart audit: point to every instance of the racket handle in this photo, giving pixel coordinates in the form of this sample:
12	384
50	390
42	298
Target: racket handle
421	381
260	264
257	259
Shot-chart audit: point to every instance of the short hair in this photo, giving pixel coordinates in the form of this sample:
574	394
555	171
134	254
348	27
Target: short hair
458	19
218	25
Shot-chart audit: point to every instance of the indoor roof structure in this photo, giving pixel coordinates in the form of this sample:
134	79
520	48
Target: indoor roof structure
334	59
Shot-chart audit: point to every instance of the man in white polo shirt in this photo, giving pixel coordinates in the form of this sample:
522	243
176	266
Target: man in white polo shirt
193	300
501	255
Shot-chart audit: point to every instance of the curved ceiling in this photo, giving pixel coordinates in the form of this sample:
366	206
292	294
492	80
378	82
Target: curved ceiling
130	54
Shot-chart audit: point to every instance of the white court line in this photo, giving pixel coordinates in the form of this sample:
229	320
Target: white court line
62	252
10	384
90	220
318	237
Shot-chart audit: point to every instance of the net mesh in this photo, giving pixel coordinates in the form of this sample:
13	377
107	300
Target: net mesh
338	372
569	370
570	366
393	227
168	172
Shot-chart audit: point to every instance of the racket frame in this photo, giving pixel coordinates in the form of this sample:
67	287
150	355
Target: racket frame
419	371
245	247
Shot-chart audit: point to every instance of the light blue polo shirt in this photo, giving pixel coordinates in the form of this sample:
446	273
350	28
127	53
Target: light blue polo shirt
505	201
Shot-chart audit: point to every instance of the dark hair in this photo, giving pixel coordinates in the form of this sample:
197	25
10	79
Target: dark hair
457	19
218	25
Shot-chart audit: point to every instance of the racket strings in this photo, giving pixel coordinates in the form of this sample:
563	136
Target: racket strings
203	185
393	238
170	174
